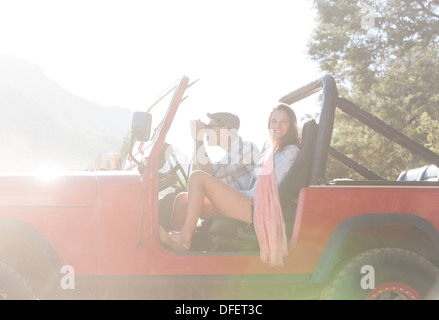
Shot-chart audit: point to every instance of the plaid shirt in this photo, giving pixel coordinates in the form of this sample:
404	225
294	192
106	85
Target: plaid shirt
236	167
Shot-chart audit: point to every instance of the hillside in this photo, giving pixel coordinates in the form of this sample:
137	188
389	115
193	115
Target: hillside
44	125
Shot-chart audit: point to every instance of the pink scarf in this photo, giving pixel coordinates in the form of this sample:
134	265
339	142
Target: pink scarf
268	218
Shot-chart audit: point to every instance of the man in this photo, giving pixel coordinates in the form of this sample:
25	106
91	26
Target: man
237	165
235	168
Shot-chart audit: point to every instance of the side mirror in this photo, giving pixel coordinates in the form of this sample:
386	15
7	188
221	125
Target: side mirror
141	126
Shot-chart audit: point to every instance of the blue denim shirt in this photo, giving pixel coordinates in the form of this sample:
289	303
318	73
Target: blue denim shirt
283	160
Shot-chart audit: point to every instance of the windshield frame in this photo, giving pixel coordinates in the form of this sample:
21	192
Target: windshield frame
151	148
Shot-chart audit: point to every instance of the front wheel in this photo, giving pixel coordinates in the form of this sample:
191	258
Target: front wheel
12	285
385	274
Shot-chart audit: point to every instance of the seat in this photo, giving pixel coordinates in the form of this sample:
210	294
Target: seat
425	173
231	234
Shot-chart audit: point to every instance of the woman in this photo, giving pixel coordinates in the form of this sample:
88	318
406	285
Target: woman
250	205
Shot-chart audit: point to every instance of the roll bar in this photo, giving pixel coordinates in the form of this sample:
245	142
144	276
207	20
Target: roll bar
326	121
326	124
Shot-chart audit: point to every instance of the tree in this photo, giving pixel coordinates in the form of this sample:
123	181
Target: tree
384	56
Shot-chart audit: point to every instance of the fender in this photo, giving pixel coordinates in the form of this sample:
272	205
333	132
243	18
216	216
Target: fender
347	228
25	230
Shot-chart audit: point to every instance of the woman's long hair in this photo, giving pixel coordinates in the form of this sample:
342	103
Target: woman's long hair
292	135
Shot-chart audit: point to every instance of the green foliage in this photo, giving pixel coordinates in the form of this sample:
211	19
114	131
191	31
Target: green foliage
431	128
384	56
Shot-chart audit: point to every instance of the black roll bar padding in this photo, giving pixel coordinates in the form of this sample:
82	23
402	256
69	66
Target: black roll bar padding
324	133
326	121
348	162
302	92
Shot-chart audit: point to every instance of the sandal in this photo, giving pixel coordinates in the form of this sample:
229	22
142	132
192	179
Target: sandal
166	239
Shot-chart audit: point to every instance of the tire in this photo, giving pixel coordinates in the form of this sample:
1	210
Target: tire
12	285
385	274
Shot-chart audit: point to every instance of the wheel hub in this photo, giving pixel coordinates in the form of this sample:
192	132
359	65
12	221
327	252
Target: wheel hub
393	291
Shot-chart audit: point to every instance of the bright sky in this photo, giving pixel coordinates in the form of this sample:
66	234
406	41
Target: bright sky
245	53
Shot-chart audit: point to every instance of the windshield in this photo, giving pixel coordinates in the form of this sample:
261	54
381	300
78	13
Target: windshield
158	110
179	133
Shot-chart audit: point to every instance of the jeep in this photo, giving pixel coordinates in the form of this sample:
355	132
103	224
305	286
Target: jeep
94	234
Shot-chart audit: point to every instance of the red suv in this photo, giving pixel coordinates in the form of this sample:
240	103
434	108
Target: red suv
94	235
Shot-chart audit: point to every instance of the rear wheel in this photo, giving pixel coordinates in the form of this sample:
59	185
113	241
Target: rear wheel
12	285
385	274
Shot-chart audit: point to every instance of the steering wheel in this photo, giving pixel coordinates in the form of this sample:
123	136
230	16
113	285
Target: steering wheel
171	178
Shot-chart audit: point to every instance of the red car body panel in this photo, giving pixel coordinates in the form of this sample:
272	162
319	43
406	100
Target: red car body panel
101	212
